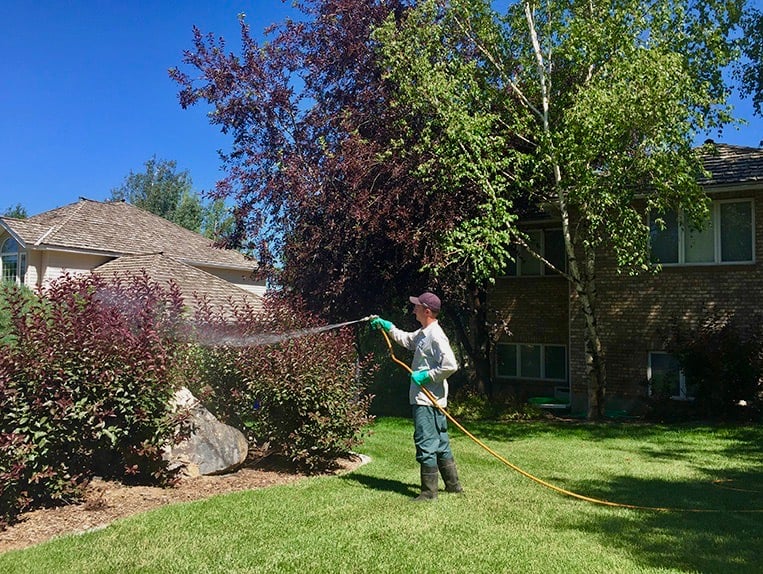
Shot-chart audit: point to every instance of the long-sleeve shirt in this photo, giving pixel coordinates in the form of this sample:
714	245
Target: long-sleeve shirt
431	352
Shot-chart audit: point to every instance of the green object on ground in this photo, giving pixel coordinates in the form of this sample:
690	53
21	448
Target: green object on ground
546	401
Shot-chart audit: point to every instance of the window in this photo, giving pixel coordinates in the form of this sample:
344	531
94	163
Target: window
728	238
666	377
12	261
550	244
531	361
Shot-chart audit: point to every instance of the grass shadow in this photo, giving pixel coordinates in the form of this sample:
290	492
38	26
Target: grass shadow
716	521
382	484
709	529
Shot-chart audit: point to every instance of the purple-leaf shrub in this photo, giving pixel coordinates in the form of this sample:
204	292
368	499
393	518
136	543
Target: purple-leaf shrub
303	397
86	374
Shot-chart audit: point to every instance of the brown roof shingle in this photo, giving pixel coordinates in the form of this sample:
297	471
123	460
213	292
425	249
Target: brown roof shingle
730	164
121	228
161	268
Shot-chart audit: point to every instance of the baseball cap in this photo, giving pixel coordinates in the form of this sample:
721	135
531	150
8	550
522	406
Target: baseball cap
428	300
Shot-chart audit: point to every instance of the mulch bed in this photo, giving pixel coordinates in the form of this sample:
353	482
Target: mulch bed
106	501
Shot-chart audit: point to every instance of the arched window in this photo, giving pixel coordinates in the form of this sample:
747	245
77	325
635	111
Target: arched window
12	261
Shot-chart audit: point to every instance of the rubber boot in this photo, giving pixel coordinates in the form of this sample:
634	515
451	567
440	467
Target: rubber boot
450	475
429	484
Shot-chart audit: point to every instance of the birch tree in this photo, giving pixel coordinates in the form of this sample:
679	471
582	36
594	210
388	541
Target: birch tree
575	107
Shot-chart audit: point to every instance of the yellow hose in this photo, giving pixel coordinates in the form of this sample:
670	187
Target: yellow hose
569	493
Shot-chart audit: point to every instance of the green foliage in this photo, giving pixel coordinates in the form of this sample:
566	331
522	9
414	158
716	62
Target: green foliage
23	298
218	221
569	108
749	70
163	191
302	397
469	405
18	211
86	374
575	105
722	360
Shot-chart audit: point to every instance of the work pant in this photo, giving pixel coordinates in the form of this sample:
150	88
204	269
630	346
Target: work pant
430	435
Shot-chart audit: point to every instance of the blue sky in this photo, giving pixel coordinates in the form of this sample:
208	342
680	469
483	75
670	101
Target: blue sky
86	98
85	95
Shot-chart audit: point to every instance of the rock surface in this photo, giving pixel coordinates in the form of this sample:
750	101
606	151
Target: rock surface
212	448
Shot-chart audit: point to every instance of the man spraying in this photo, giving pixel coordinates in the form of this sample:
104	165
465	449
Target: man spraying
433	362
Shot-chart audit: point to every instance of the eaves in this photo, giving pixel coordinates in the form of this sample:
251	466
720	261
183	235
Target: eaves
735	187
213	265
14	235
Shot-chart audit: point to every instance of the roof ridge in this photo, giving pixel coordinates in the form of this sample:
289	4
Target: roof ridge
66	220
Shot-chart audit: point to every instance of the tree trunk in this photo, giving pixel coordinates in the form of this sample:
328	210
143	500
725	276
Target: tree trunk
596	374
582	278
594	351
471	329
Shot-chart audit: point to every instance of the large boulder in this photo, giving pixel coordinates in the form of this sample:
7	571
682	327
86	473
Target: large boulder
212	447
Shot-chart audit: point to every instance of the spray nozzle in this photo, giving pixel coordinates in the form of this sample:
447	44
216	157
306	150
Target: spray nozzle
369	318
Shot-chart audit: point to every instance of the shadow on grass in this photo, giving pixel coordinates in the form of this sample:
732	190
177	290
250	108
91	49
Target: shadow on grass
713	527
720	522
742	440
382	484
525	430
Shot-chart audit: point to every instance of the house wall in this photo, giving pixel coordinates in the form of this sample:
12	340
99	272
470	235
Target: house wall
242	279
47	266
636	314
33	269
537	310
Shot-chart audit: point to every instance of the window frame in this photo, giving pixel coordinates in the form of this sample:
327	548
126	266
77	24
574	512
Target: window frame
515	267
683	394
19	254
717	230
518	361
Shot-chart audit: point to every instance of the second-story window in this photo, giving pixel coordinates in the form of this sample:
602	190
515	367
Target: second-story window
728	238
550	244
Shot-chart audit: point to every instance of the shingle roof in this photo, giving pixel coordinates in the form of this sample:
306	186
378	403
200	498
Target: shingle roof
121	228
161	268
25	229
730	164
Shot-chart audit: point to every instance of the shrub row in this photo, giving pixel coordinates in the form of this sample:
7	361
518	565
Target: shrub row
87	370
86	373
721	358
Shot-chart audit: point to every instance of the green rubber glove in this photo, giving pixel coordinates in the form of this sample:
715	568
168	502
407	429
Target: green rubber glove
379	323
420	377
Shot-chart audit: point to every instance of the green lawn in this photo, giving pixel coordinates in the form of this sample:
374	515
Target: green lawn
363	522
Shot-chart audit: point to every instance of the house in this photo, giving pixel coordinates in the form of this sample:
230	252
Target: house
718	268
118	238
